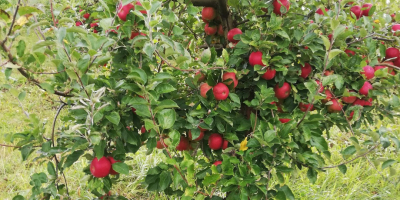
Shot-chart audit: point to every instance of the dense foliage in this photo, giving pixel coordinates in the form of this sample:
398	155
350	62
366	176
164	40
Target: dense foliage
235	93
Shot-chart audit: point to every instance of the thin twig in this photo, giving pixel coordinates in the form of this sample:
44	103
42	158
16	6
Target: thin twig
247	20
349	161
54	122
12	23
389	65
52	13
7	145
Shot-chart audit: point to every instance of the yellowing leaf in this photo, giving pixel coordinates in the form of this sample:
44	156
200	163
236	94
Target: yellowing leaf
23	20
243	145
377	21
65	41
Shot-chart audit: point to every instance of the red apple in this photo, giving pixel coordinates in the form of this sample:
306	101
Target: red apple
142	11
365	88
215	141
94	25
134	34
278	4
335	107
367	7
282	92
221	91
304	107
368	72
392	52
397	62
393	17
306	70
330	36
255	58
100	168
350	52
208	13
86	15
204	87
143	130
349	99
183	144
160	145
328	97
362	102
356	10
319	11
327	72
278	106
284	120
210	30
78	23
230	75
269	74
202	76
306	47
198	138
396	29
232	33
202	129
220	30
124	11
112	161
321	87
216	163
95	31
351	115
225	144
390	70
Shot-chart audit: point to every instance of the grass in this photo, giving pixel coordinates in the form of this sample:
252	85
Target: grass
362	180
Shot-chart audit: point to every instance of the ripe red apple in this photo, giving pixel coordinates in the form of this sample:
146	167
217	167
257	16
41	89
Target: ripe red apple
269	74
284	120
78	23
142	11
362	102
221	91
210	30
328	96
396	29
94	25
319	11
350	52
367	7
397	62
390	70
124	11
225	144
278	4
393	17
202	129
278	106
304	107
215	141
183	144
321	87
160	145
349	99
232	33
208	13
100	168
282	92
306	70
143	130
327	72
365	88
134	34
368	72
330	36
335	107
198	138
356	10
202	76
86	15
95	31
350	117
392	52
216	163
220	30
255	58
306	47
112	161
230	75
204	87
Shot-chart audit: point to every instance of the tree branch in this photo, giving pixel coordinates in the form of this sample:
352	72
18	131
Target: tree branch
12	23
355	158
389	65
247	20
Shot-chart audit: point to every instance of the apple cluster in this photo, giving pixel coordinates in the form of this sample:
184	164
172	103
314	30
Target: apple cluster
213	23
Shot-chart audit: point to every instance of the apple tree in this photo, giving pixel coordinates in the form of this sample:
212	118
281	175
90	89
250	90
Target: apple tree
236	94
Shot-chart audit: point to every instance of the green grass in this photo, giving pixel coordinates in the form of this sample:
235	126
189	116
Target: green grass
362	181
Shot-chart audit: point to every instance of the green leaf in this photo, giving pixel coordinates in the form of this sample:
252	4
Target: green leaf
288	192
342	168
167	103
18	197
339	81
72	158
166	118
350	150
26	151
234	97
177	30
205	56
175	137
211	179
387	163
339	30
22	95
149	49
312	175
326	41
165	180
51	169
121	168
319	143
11	66
113	117
43	44
76	29
99	149
138	75
164	88
21	48
334	53
163	76
28	10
